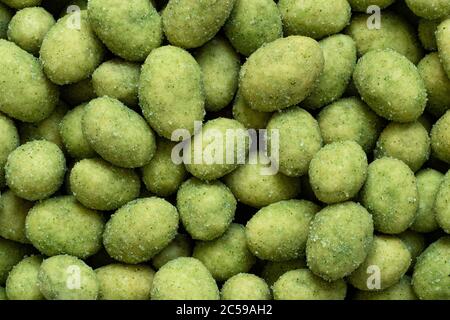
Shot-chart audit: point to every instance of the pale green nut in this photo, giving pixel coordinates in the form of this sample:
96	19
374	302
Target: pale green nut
362	5
20	4
35	170
302	284
124	282
227	255
279	231
11	253
28	28
140	229
77	93
250	118
70	51
252	23
442	204
206	208
281	74
273	270
65	277
184	278
245	286
294	124
442	36
391	85
192	23
13	212
25	92
99	185
22	282
440	138
427	33
338	171
402	290
9	140
429	9
180	246
171	92
339	240
415	242
5	18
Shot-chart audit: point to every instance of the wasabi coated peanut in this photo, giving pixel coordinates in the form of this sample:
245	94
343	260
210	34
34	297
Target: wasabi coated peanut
57	272
13	211
362	5
101	186
10	254
391	85
272	270
440	138
28	28
35	170
339	240
245	286
437	84
390	194
227	255
340	60
171	91
394	33
429	9
206	209
117	79
124	282
61	225
279	231
415	242
19	4
442	35
118	134
350	119
314	18
338	171
9	140
281	74
5	18
427	33
22	282
130	29
25	93
402	290
295	124
192	23
71	52
430	278
441	205
250	118
77	93
179	247
408	142
140	229
253	23
302	284
428	182
220	66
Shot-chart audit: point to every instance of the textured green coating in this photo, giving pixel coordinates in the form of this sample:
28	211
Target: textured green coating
272	270
402	290
442	35
362	5
10	254
13	211
250	118
5	18
22	282
442	204
245	286
180	246
429	9
78	92
440	138
19	4
9	140
427	33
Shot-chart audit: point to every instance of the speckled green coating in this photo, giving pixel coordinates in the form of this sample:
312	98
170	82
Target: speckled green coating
402	290
124	282
415	242
245	286
395	33
408	142
281	74
437	84
28	28
362	5
430	277
70	54
426	32
22	282
390	255
35	170
10	254
9	140
206	209
184	279
78	92
250	118
279	231
440	138
302	284
429	9
25	93
102	186
442	35
350	119
117	79
442	204
13	211
396	91
140	229
192	23
272	270
227	255
19	4
338	171
210	160
171	91
339	240
253	23
295	124
5	18
180	246
390	194
61	225
314	18
118	134
57	272
428	182
220	66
